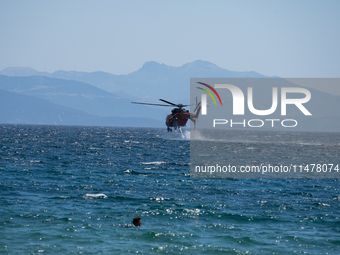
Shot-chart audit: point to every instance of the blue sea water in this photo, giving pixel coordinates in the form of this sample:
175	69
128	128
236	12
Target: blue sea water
71	190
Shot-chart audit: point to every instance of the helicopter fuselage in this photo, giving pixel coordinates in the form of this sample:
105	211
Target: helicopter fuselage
177	118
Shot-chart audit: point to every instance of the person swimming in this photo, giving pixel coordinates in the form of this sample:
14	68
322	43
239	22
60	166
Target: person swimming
136	221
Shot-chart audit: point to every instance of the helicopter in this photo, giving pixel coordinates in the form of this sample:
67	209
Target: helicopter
179	116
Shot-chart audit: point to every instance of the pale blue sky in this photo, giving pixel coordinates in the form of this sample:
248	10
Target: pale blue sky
283	38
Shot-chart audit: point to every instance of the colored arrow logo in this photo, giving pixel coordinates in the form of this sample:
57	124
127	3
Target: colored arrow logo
209	93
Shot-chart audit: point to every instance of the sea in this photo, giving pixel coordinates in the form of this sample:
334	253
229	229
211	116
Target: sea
75	190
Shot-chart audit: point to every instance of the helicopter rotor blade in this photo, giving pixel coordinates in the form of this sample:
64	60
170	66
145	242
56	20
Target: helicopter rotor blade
168	102
197	106
151	104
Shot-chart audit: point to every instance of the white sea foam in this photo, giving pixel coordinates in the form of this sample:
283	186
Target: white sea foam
186	134
193	211
196	135
95	195
159	198
154	163
324	204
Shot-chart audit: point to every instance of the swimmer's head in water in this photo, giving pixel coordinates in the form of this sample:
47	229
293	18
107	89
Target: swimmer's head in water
136	221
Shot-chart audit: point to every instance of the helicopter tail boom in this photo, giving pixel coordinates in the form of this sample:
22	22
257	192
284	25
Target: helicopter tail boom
194	117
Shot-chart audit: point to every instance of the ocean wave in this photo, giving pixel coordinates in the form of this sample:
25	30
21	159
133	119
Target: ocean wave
321	204
101	195
154	163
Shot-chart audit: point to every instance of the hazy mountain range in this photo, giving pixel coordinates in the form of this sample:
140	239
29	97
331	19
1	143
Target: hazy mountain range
99	98
150	82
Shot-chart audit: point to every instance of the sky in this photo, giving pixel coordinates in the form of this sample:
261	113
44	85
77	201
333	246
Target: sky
275	38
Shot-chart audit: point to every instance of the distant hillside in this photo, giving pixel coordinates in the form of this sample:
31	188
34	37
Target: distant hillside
21	109
16	108
151	82
78	95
